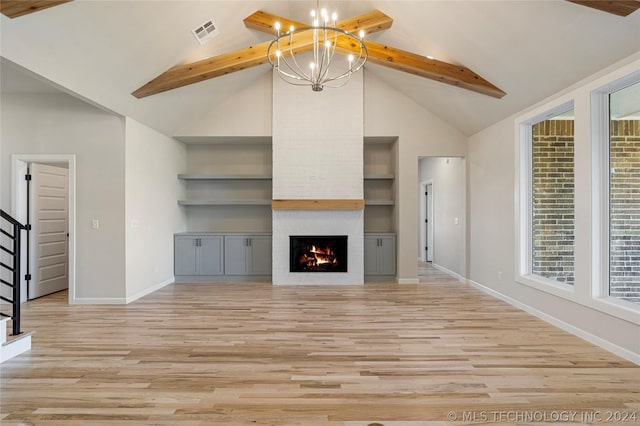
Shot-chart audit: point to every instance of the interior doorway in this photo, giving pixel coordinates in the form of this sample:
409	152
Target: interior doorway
46	201
441	226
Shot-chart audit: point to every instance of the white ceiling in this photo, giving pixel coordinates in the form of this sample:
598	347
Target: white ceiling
104	50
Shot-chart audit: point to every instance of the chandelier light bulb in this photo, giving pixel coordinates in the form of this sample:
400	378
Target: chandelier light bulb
313	13
278	53
350	57
277	26
334	16
291	29
327	44
361	34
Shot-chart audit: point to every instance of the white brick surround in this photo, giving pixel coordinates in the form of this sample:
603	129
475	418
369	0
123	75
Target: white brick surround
318	154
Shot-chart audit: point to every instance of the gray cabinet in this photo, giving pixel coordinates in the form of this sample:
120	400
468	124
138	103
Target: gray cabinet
247	255
379	254
198	255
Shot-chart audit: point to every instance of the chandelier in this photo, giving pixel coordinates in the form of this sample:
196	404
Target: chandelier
324	68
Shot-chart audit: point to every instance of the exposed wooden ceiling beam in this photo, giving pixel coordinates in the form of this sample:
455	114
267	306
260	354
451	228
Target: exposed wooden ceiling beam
371	22
433	69
15	8
617	7
182	75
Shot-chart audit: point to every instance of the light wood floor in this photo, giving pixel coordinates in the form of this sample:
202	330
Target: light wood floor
253	354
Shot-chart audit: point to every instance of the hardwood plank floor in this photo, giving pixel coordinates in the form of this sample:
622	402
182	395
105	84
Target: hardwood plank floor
250	353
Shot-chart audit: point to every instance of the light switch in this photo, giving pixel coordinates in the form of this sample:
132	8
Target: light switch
456	220
95	224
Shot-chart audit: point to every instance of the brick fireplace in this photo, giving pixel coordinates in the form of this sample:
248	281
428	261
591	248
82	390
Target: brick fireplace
318	157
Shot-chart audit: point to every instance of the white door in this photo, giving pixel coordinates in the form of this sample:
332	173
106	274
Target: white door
49	235
429	227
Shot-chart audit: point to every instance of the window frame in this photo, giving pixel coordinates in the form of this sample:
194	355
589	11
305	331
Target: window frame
600	255
524	203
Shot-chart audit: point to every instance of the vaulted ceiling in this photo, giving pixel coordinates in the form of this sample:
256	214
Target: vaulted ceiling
104	50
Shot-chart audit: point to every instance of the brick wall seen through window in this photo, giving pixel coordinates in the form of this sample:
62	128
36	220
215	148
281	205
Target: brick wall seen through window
553	214
624	210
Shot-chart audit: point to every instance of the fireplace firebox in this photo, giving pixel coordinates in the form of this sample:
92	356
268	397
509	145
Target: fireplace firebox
318	253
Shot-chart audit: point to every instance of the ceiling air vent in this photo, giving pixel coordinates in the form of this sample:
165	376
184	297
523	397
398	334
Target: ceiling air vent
206	31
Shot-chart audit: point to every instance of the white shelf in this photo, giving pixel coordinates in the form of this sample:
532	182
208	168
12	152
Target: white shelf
224	202
374	176
187	176
379	203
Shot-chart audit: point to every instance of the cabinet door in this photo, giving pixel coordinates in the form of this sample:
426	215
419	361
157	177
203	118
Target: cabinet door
371	254
387	255
185	249
260	260
236	249
210	255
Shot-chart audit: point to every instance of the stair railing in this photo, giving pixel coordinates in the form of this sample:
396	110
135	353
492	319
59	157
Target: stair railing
12	248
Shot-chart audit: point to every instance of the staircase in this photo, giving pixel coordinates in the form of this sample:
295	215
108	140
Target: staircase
10	243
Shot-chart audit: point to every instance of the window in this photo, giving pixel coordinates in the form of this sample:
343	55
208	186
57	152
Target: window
577	212
546	200
624	193
552	192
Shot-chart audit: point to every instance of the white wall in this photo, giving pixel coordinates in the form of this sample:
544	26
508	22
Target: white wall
448	178
246	113
491	211
421	133
61	124
152	162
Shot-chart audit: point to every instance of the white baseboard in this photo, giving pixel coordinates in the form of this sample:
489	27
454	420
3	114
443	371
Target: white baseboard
449	271
119	300
591	338
99	301
149	290
407	281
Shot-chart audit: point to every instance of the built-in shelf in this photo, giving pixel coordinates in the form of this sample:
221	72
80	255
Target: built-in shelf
379	176
222	177
379	202
224	202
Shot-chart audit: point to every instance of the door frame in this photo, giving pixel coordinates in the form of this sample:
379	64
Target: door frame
423	218
19	164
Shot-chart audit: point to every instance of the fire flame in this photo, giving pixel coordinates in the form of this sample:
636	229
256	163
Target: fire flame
319	256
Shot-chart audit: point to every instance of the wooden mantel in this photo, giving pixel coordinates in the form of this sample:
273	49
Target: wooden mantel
315	204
